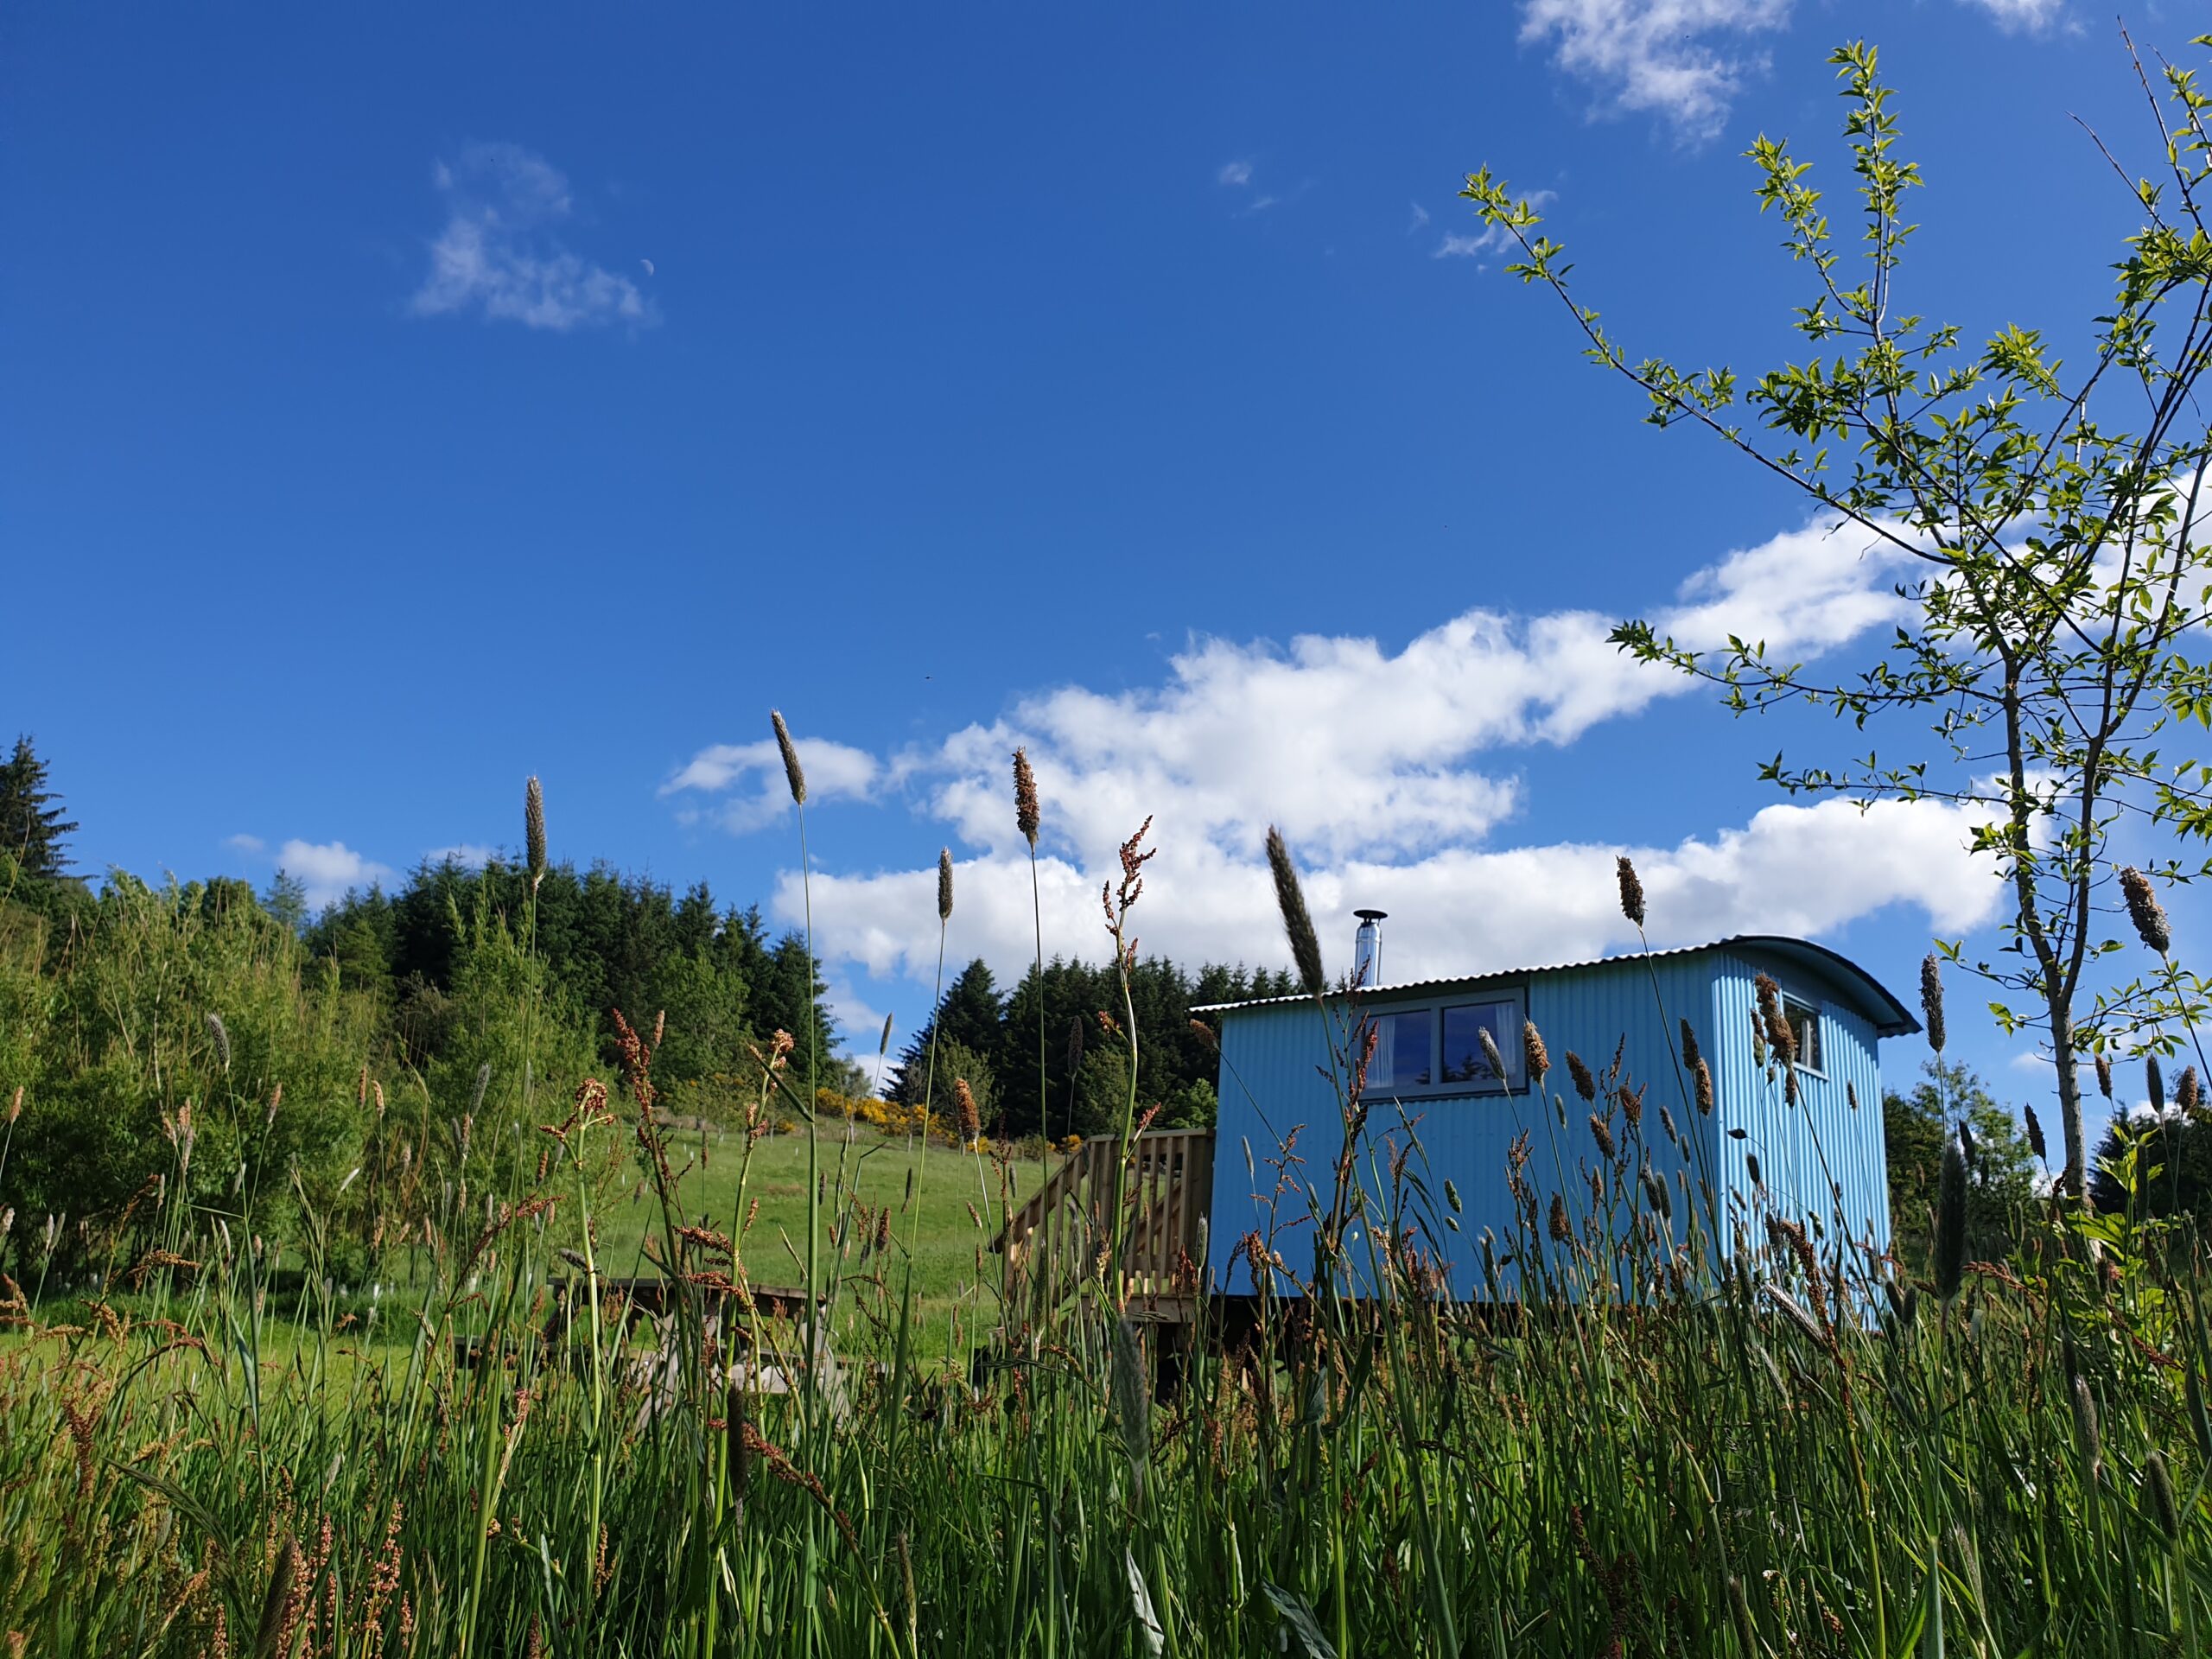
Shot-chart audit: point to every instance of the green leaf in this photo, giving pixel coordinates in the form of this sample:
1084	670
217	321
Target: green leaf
1301	1631
1150	1636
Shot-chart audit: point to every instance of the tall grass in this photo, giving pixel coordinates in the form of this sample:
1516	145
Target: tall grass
1624	1439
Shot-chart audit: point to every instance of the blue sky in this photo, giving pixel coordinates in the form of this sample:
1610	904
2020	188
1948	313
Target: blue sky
399	404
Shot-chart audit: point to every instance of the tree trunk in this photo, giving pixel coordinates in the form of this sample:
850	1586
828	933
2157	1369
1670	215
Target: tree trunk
2069	1095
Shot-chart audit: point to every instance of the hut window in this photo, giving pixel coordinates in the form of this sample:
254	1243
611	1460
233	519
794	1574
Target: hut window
1805	1022
1403	1059
1463	1060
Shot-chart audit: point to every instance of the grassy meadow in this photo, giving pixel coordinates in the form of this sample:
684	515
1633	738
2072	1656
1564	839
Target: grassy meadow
212	1447
345	1375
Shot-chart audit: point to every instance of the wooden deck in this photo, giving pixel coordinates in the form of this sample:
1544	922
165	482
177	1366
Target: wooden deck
1062	1235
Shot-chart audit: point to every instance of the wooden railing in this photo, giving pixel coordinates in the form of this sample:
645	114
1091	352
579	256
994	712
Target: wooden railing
1062	1234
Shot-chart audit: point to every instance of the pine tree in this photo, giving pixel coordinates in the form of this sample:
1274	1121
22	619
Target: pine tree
31	824
972	1012
287	901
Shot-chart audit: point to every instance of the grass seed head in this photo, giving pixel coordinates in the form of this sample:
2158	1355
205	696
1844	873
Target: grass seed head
2088	1435
1562	1228
1747	1629
1491	1057
1026	818
2158	1489
279	1607
1951	1220
2104	1073
1779	1037
1584	1084
1297	921
794	774
2155	1080
2146	912
220	1035
2186	1092
1532	1044
1602	1133
944	886
1691	1053
1931	999
971	1122
1631	890
2035	1134
1701	1080
533	830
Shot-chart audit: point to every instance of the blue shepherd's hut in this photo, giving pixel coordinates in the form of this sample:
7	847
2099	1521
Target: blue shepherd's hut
1282	1080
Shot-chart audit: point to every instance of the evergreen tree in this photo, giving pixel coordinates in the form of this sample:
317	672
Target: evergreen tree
31	824
287	901
2001	1176
972	1012
971	1015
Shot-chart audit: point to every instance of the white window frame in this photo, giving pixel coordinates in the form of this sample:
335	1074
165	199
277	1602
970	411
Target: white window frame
1801	1012
1512	1050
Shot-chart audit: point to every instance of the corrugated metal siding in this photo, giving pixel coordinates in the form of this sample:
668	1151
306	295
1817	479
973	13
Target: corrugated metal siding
1271	1096
1270	1085
1807	1152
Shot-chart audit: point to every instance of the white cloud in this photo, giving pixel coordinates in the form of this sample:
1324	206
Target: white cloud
1490	240
497	256
1389	812
861	1025
1233	173
1420	218
756	770
247	844
1682	60
1242	735
329	869
1791	869
2022	16
467	854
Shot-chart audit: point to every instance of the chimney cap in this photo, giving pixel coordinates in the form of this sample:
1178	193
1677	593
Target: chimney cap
1372	915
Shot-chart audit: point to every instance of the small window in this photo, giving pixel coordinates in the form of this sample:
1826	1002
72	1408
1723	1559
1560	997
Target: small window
1464	1058
1402	1059
1805	1025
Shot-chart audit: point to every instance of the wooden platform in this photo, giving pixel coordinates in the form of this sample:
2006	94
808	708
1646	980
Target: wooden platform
1062	1235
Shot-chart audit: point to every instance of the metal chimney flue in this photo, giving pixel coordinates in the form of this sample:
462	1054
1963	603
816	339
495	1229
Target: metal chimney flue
1367	950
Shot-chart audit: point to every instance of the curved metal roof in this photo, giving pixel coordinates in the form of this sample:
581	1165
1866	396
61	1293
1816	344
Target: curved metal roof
1891	1017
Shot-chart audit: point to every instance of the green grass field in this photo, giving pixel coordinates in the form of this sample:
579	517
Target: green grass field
946	1231
955	1214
